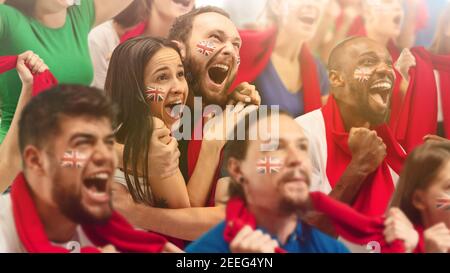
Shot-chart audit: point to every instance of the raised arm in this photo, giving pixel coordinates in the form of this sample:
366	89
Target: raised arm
10	160
107	9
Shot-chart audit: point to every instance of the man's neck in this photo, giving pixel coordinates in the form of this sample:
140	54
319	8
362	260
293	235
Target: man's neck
51	20
287	49
350	119
158	25
276	222
58	228
374	35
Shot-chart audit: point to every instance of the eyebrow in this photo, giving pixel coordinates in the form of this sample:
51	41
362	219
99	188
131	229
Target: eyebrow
161	69
222	33
81	135
369	54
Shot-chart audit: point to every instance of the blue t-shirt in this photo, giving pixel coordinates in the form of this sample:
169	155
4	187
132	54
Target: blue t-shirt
274	92
310	241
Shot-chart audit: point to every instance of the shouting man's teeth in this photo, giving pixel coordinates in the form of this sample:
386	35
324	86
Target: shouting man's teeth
383	85
102	176
222	66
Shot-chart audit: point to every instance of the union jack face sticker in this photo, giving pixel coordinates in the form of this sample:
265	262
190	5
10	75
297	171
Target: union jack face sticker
363	74
205	48
269	165
154	94
443	203
73	159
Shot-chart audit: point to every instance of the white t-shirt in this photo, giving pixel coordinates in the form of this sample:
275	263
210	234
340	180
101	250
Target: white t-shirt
313	125
103	39
9	239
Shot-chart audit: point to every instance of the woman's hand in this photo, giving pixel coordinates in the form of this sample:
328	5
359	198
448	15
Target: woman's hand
398	227
164	155
437	239
29	64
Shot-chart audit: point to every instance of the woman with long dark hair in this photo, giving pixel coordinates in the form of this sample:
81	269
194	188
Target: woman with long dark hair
57	31
423	196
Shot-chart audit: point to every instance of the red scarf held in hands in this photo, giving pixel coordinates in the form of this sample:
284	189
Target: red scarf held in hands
347	222
116	232
256	51
376	191
418	115
41	82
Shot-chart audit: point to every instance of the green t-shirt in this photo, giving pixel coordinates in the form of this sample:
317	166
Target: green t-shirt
65	51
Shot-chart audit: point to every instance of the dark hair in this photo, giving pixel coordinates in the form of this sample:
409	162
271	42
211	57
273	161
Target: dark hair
125	86
24	6
421	168
135	13
237	149
40	120
182	28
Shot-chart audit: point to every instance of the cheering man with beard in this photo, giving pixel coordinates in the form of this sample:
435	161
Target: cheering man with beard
355	157
209	44
62	200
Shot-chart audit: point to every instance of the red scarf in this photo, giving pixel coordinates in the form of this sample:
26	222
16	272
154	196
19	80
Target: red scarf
257	48
116	232
348	223
376	192
418	115
41	82
135	32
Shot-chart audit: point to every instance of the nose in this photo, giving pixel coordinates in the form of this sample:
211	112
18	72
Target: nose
102	154
293	157
228	49
178	88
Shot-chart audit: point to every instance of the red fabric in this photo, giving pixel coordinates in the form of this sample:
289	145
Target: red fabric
348	223
257	48
135	32
418	115
194	147
420	248
116	232
41	82
375	193
356	28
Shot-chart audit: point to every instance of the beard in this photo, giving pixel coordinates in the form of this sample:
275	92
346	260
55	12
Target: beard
365	110
69	201
195	77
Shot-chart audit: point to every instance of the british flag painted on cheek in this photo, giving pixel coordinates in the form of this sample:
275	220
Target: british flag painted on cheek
73	159
153	94
269	165
205	48
443	203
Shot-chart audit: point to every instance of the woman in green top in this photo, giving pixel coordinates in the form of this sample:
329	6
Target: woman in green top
57	31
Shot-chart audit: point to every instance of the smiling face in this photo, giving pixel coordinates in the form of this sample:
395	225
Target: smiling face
166	87
81	164
212	55
384	16
434	202
301	17
278	179
369	78
171	9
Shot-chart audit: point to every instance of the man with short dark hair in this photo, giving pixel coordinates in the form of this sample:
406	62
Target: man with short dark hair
63	197
355	157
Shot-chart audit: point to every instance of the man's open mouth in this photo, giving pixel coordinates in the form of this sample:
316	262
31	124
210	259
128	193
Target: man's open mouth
308	19
174	108
380	91
96	186
185	3
218	73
